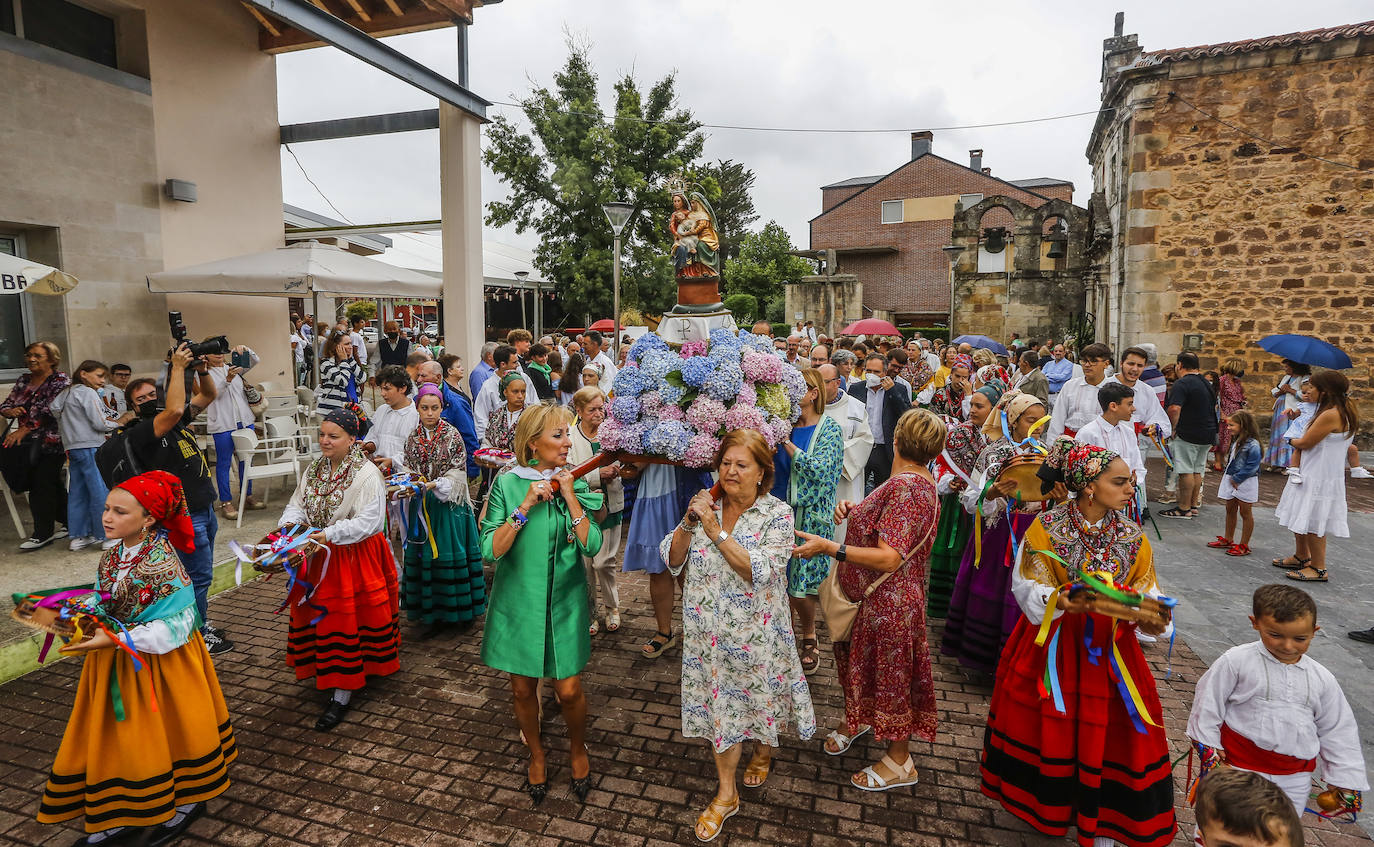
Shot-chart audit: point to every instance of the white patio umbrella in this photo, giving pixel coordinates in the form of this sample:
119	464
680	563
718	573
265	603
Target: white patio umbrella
307	268
18	275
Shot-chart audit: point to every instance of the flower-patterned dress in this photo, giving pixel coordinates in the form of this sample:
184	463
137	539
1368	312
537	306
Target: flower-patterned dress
500	433
885	666
949	401
815	478
1231	399
741	677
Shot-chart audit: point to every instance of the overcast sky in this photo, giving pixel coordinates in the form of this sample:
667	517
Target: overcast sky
875	64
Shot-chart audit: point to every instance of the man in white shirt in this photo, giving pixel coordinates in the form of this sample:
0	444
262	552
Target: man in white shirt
596	355
852	416
392	422
359	345
113	393
792	352
489	398
932	358
1077	403
1112	429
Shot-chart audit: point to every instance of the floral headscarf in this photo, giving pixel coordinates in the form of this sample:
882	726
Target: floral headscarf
964	360
1015	403
1075	464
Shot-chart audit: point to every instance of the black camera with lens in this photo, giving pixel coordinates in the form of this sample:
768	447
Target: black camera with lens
218	345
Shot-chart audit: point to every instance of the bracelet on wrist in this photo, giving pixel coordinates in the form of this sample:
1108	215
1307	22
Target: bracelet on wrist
518	519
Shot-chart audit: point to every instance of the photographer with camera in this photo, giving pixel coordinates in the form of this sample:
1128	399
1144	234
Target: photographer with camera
230	411
162	440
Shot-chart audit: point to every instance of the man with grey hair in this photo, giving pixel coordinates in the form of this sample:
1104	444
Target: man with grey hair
791	356
852	416
931	357
485	368
431	372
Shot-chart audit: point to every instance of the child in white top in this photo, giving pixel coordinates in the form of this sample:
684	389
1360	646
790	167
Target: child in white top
1113	430
1269	708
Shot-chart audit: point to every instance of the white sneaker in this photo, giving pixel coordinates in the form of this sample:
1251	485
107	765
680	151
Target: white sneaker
36	543
60	533
82	543
1359	472
110	543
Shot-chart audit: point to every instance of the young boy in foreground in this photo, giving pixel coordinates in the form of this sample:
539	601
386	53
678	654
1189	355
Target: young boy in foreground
1266	707
1238	808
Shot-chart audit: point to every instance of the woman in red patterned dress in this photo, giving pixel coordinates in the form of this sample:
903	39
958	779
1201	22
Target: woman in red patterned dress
885	666
1231	399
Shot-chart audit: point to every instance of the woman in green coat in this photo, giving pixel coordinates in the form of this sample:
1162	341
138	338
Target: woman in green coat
537	615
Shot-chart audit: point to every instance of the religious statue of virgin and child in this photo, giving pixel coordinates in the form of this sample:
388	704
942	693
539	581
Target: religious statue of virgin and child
695	251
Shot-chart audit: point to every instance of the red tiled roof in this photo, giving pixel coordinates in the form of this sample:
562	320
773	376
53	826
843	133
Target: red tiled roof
1311	36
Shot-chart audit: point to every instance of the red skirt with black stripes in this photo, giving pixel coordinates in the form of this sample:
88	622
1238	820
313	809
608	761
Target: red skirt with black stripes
359	634
1088	768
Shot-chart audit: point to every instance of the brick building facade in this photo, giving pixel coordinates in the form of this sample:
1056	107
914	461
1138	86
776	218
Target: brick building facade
1226	222
903	272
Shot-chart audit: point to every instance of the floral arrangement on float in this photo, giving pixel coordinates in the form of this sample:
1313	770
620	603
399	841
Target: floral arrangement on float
676	405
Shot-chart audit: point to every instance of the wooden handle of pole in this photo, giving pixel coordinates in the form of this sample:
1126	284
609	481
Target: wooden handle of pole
600	460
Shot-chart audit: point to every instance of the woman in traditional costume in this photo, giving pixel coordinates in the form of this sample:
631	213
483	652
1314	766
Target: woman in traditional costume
953	470
348	628
444	584
948	399
1074	735
500	434
982	612
144	749
537	617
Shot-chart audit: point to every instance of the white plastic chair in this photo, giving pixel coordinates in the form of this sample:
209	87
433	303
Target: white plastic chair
303	449
14	512
262	458
278	406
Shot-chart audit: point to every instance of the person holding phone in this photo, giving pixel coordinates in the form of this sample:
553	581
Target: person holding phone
228	412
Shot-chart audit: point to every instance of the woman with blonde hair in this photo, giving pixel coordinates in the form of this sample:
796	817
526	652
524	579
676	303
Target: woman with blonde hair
741	678
537	527
590	405
1230	399
884	668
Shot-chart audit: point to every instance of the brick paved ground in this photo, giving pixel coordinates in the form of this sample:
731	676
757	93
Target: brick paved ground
431	756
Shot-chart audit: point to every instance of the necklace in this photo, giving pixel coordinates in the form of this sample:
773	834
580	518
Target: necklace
426	450
1097	543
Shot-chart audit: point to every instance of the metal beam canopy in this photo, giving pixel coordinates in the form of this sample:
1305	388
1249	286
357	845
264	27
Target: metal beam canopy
364	229
311	19
420	119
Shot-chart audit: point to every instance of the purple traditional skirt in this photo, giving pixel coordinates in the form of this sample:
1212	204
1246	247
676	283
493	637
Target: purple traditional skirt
982	610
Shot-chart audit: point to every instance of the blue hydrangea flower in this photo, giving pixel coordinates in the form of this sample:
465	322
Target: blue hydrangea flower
646	343
658	363
671	394
725	381
696	370
632	382
625	409
669	439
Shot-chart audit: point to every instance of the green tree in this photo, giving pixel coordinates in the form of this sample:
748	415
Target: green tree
764	265
365	309
745	307
728	186
575	158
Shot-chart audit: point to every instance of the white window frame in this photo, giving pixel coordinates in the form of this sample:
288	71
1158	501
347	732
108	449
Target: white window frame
968	201
886	205
25	310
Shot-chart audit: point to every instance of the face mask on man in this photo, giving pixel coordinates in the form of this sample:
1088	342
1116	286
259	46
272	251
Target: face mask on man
392	336
872	380
147	409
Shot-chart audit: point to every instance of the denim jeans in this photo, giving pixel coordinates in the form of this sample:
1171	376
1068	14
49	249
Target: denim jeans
200	563
86	497
224	457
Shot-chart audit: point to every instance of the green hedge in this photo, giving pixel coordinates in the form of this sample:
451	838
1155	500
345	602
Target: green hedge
782	330
745	307
931	332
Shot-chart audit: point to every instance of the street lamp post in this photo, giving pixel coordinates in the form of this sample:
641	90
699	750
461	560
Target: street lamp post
521	277
618	213
952	252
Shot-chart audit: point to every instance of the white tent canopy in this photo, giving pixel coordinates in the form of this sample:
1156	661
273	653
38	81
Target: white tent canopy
299	270
18	275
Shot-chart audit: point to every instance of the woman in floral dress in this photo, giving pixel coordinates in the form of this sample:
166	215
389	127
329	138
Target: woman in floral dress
741	678
885	666
1230	399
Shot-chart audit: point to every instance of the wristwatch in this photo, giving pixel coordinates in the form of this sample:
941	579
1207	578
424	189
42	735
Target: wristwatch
841	553
720	539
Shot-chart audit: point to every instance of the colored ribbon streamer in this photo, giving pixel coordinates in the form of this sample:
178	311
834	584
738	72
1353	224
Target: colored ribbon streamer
1154	436
415	484
1130	692
1056	690
279	551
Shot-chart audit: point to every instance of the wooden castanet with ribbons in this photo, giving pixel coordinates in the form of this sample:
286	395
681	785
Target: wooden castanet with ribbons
1122	602
606	457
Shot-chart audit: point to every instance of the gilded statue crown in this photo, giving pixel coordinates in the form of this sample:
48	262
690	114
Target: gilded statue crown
676	184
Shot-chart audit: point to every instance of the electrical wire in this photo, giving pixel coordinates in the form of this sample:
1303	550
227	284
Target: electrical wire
825	130
1271	142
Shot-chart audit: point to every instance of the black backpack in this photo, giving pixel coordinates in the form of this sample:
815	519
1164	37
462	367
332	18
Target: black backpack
115	459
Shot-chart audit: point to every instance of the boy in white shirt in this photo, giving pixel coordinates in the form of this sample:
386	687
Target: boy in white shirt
393	423
1113	429
1268	708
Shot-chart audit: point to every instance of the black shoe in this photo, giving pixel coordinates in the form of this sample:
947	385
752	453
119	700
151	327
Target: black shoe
582	787
166	834
215	642
333	715
1365	635
537	791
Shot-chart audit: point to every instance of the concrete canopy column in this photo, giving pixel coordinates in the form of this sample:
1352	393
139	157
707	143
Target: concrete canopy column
460	193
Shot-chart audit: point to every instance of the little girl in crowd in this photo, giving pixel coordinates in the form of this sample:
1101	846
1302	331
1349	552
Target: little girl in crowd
1240	483
143	749
1307	410
82	423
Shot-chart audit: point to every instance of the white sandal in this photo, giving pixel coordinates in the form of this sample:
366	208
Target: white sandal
905	776
842	741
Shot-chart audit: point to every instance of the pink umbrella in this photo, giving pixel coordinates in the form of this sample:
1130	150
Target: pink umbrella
870	326
603	325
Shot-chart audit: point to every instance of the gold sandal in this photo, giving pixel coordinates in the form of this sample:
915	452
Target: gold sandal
713	819
759	770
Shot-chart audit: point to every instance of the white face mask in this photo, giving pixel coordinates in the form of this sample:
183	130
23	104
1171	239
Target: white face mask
872	380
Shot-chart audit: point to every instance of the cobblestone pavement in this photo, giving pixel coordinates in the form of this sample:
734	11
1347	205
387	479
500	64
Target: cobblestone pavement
431	756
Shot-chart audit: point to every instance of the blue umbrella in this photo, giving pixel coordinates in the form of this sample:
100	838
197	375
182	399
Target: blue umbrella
1307	350
981	342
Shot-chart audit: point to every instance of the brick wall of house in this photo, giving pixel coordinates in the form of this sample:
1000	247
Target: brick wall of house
1253	238
832	197
915	279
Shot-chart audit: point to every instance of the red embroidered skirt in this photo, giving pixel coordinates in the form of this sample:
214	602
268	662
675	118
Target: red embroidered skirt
1088	768
360	634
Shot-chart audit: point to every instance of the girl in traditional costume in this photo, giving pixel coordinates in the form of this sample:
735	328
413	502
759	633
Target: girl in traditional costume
444	584
953	469
1074	734
144	748
982	611
347	629
538	615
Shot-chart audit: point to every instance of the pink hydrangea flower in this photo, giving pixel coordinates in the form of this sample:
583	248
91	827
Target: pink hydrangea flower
701	450
747	395
693	348
761	367
742	416
706	413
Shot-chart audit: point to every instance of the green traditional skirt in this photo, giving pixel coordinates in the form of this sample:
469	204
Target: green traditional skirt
951	538
449	588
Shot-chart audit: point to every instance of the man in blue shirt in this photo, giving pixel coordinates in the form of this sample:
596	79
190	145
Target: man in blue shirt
1058	371
484	370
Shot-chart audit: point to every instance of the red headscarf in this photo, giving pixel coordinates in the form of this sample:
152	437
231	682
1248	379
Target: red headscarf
160	493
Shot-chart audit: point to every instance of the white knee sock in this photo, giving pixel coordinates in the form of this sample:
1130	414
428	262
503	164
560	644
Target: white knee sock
342	696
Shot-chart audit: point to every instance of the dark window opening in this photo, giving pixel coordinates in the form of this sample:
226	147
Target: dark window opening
72	29
6	17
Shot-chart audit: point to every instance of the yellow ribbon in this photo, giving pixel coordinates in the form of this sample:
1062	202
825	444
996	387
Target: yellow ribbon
1130	683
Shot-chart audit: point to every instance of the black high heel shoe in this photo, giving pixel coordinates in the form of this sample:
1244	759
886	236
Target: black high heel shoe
537	791
582	787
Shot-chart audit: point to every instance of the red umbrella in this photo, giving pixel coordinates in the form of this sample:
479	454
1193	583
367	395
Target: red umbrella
870	326
603	325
